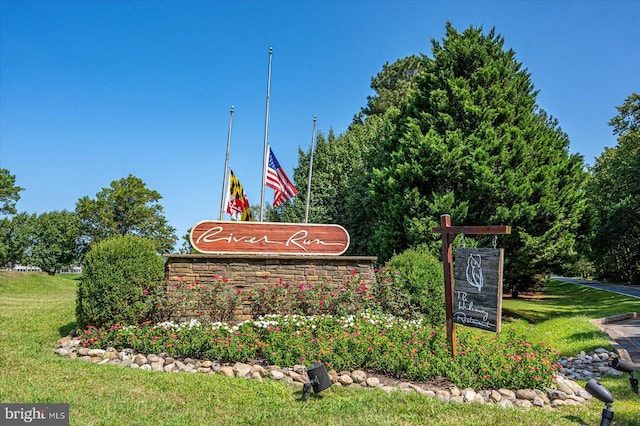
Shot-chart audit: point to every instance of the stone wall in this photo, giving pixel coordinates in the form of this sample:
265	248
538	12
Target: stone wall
251	272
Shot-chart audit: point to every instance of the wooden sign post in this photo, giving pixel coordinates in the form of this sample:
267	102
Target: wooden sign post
449	234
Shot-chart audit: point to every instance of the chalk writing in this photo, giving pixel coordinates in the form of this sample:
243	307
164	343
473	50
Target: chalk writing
474	271
465	304
462	318
477	297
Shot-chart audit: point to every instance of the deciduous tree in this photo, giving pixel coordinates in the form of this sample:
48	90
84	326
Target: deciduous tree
126	207
53	241
15	235
9	192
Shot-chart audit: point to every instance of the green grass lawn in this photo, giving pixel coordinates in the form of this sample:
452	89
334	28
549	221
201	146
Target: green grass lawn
36	310
560	316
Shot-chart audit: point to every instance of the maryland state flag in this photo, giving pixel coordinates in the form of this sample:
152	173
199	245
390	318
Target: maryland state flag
238	203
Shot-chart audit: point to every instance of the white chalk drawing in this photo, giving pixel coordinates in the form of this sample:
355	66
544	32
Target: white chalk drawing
474	271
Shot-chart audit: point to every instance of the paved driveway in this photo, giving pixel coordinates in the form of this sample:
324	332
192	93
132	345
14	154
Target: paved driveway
627	290
623	330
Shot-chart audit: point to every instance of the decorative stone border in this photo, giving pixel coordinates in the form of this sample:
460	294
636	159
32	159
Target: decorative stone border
566	391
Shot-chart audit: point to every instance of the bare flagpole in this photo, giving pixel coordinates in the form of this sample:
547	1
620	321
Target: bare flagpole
225	178
313	138
266	138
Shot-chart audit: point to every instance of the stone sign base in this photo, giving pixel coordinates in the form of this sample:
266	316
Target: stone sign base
251	272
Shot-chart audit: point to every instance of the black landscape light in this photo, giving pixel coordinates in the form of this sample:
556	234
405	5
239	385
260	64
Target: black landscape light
318	379
625	367
597	390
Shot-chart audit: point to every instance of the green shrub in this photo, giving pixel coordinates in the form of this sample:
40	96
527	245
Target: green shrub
216	302
419	273
383	344
116	274
352	296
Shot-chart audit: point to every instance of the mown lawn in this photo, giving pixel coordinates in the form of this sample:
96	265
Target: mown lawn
560	316
36	310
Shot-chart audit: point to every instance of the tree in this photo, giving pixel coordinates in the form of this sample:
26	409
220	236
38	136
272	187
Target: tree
11	247
393	84
614	195
15	234
9	192
53	241
127	207
469	140
339	185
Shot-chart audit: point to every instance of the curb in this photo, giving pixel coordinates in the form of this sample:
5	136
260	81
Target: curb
615	318
602	322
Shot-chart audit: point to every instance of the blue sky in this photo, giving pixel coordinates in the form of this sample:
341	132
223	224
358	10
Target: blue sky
92	91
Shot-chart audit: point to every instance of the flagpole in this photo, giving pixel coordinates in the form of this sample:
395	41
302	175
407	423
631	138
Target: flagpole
266	138
225	178
313	135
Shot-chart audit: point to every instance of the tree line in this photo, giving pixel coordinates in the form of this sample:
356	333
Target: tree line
54	240
458	132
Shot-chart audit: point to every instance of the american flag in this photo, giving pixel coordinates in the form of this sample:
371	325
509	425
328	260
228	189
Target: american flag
279	182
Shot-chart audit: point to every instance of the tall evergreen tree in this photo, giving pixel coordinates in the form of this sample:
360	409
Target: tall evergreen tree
470	140
614	194
339	185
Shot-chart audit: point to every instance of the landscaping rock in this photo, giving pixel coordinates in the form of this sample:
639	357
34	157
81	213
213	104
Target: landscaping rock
526	394
359	376
373	382
242	369
443	395
468	394
228	371
567	391
345	379
276	375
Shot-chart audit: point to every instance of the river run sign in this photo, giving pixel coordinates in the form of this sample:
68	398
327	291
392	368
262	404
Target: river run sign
477	300
224	237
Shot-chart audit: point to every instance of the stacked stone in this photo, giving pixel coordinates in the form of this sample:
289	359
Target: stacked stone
588	366
567	392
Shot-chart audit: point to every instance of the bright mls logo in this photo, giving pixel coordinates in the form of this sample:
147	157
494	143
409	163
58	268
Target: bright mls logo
36	414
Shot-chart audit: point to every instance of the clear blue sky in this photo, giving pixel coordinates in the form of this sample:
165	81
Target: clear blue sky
92	91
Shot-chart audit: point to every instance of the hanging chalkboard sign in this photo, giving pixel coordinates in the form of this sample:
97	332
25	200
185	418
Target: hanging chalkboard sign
477	300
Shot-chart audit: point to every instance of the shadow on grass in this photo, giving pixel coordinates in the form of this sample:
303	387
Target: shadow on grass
575	419
65	330
568	300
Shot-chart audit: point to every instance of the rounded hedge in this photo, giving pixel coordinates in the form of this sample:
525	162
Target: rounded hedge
115	274
422	277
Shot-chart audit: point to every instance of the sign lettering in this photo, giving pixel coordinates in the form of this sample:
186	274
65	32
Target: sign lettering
477	298
268	238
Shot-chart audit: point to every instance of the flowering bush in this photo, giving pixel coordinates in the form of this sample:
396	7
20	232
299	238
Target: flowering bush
325	297
385	344
214	303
